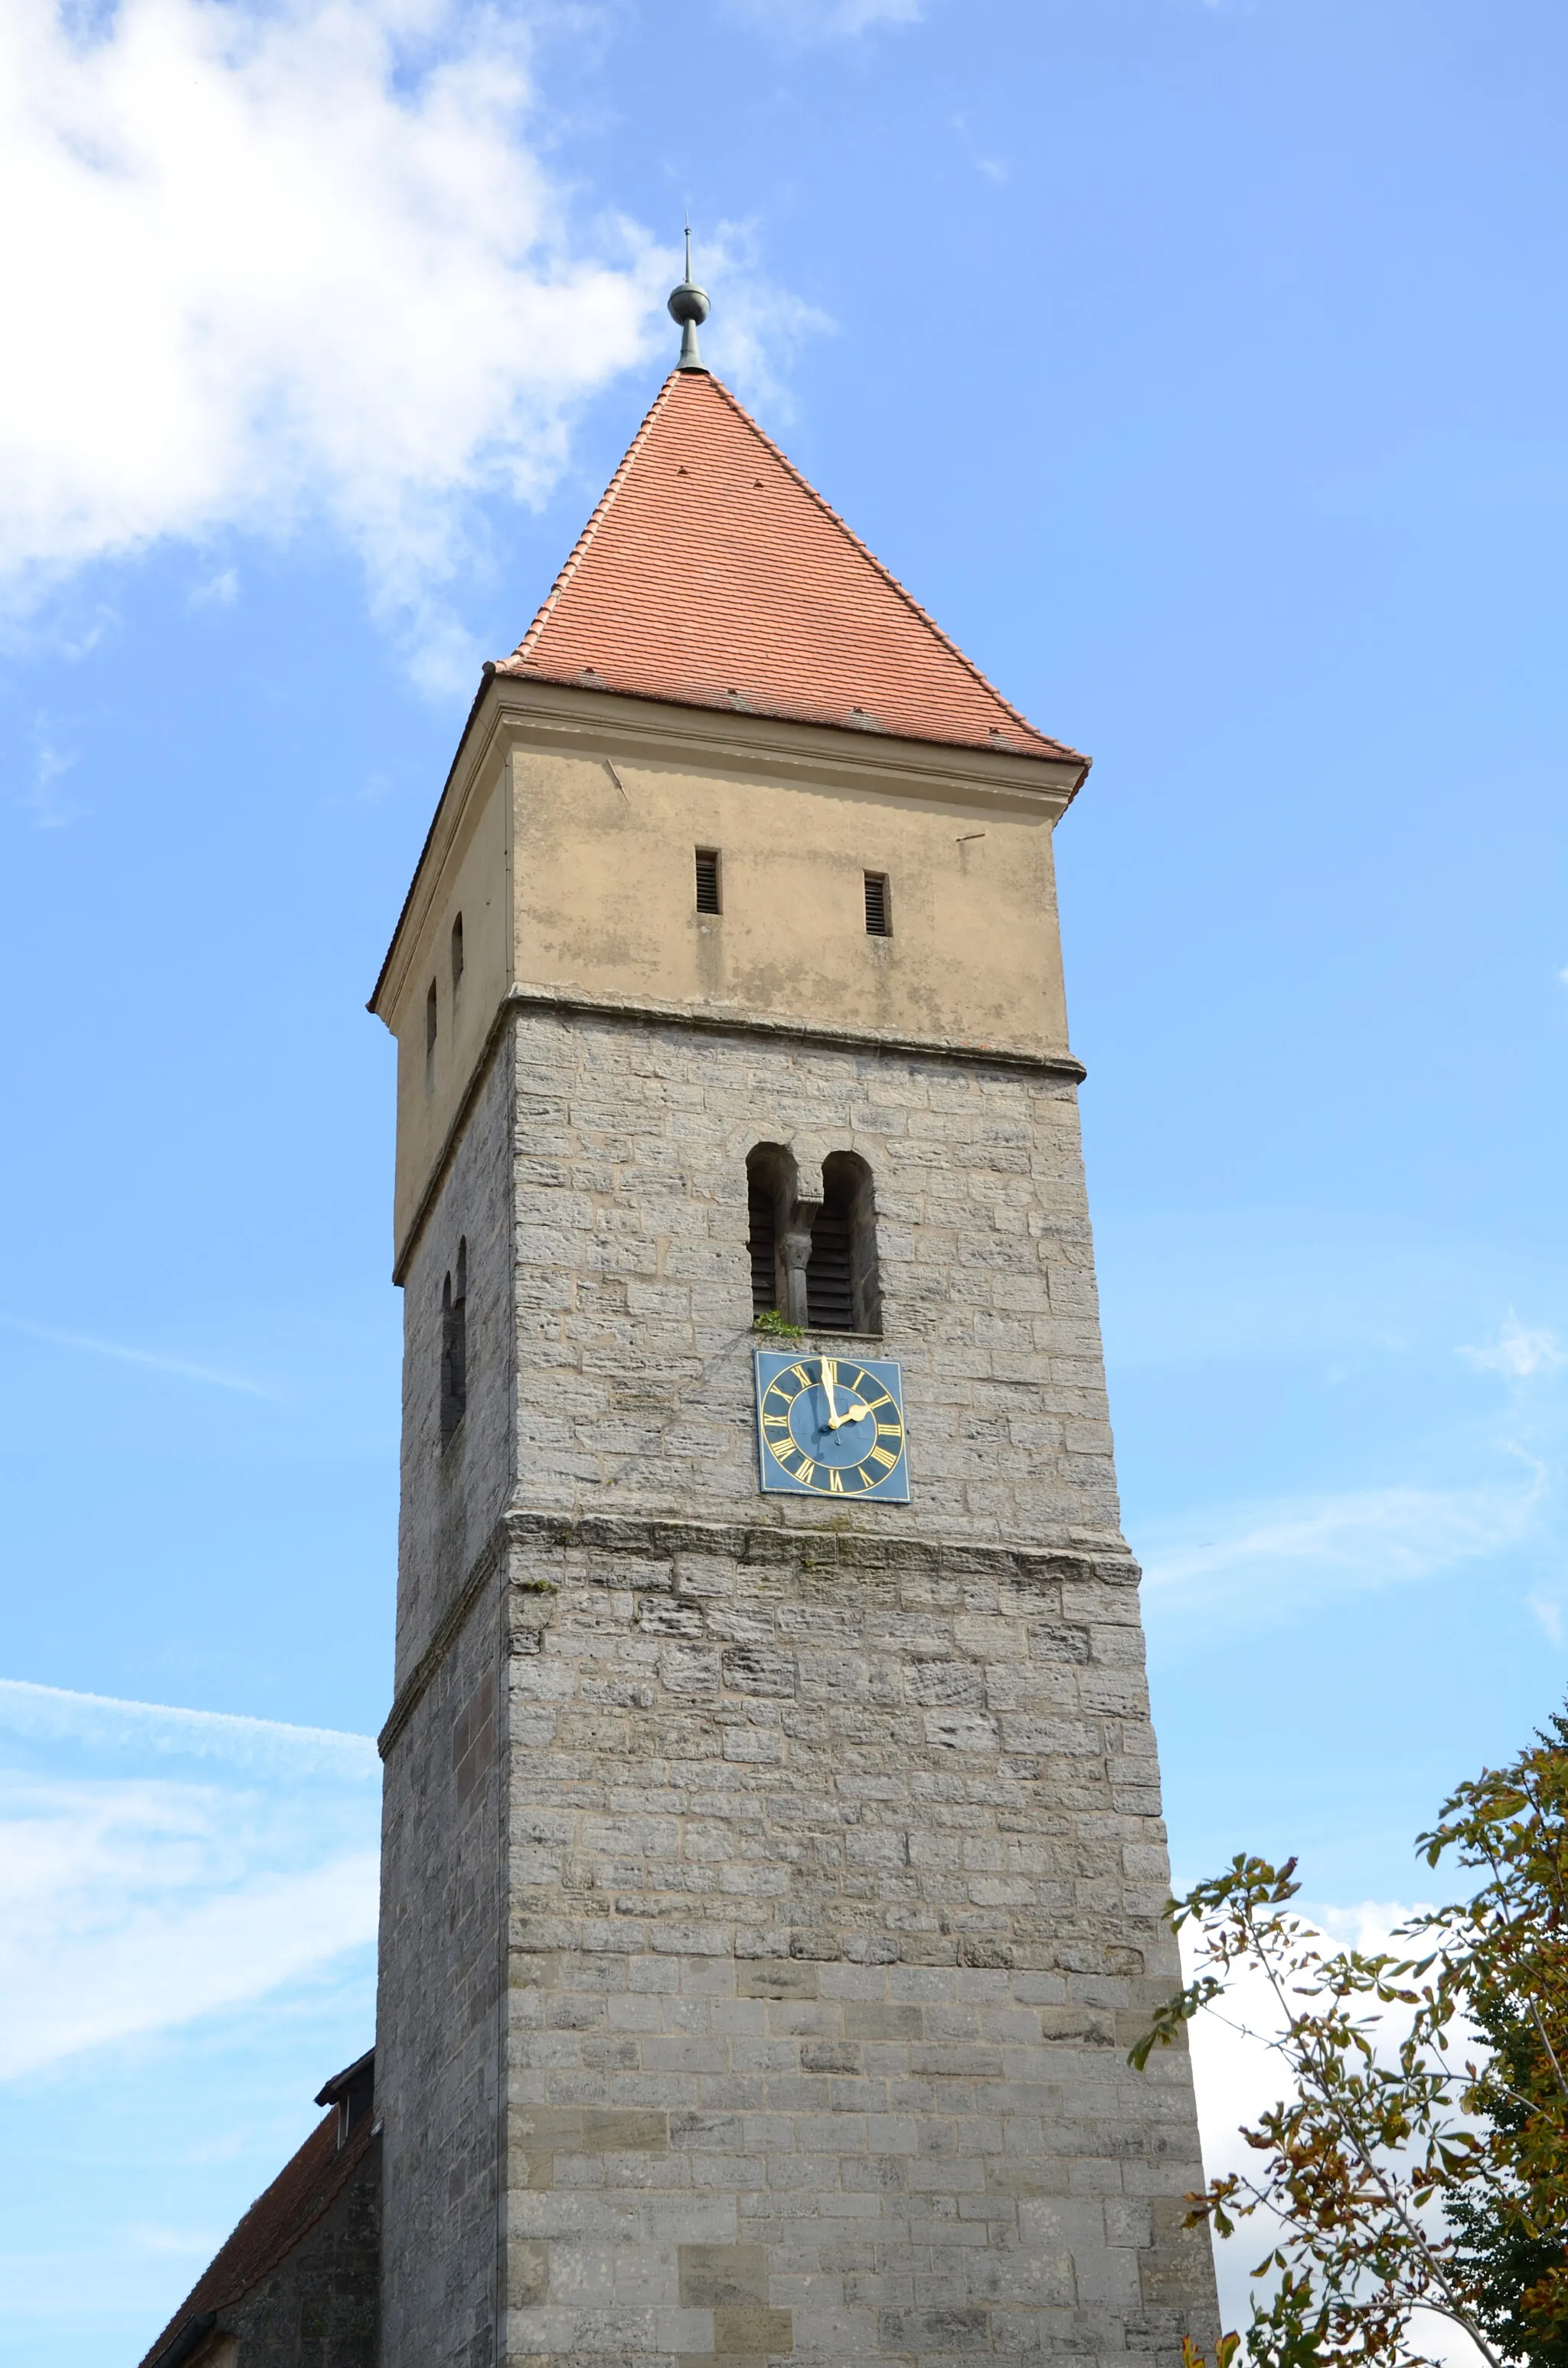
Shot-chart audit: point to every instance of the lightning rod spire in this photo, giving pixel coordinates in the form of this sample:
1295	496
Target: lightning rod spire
689	306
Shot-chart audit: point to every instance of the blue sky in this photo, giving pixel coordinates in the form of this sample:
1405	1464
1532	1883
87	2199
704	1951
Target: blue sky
1202	367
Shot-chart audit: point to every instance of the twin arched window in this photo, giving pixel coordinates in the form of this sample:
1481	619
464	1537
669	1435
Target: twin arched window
816	1262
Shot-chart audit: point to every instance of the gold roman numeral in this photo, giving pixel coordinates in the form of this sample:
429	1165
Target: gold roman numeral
835	1483
880	1455
804	1378
807	1470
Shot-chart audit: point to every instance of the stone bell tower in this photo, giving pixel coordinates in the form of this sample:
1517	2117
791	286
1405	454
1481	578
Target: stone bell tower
773	1858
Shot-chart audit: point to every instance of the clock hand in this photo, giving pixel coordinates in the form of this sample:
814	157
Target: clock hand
835	1421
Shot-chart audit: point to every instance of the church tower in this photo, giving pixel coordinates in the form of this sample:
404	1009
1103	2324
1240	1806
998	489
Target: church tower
773	1860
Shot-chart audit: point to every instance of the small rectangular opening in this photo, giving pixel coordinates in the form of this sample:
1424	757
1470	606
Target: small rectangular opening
430	1025
878	923
456	955
708	879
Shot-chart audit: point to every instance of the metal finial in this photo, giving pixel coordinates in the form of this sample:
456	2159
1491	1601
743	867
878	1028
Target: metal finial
689	306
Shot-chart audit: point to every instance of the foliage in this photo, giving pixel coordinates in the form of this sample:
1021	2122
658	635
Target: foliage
776	1327
1506	1949
1400	2173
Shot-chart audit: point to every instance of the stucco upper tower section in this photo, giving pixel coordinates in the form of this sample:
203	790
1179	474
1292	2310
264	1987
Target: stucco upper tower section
722	668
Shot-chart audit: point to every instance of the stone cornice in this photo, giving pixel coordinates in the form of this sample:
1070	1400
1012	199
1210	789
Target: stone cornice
717	1020
756	1545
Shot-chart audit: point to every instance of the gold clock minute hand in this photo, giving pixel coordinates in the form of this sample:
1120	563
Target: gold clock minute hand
835	1421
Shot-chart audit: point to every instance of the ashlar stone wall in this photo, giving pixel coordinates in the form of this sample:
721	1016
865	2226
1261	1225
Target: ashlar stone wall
632	1285
834	1885
772	1895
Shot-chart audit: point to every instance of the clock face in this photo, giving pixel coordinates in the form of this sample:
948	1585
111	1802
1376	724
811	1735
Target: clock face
831	1427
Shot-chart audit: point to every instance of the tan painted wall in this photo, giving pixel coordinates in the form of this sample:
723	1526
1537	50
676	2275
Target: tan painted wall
605	900
475	881
571	878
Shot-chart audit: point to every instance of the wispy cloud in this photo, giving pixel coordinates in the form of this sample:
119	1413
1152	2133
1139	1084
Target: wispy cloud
43	800
1282	1556
138	1894
1550	1614
220	591
258	1747
994	169
1518	1351
815	20
153	1361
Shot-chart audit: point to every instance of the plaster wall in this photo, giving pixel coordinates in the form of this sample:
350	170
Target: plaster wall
604	889
472	877
569	848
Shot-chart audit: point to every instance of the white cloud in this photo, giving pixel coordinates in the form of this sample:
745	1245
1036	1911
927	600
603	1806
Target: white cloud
1281	1556
137	1894
1518	1352
269	263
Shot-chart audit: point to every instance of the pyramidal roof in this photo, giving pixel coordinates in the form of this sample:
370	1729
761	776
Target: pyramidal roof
710	575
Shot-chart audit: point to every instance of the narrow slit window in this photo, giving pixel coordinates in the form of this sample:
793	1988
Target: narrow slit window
878	923
708	879
454	1346
430	1028
456	955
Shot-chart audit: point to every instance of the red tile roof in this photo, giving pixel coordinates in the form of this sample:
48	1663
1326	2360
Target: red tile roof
712	576
301	2193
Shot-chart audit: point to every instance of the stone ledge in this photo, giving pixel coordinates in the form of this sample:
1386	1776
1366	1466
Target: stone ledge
750	1546
718	1020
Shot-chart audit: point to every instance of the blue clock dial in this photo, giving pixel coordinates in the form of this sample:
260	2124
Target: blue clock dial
831	1427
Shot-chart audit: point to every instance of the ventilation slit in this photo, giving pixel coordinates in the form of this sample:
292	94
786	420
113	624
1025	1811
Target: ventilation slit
708	879
877	905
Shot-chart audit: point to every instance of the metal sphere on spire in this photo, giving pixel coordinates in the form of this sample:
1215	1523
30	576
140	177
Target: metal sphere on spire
689	306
